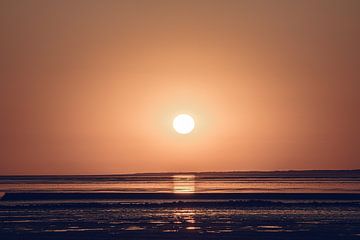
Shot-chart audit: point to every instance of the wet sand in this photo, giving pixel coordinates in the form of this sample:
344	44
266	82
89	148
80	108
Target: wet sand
312	217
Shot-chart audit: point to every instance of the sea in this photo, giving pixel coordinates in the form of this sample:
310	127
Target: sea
188	205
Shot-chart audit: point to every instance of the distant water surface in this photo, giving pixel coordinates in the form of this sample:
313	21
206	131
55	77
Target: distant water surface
230	182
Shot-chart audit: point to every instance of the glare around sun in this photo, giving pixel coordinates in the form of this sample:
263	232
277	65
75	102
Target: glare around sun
183	124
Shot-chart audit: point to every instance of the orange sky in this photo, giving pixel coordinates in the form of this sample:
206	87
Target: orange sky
91	87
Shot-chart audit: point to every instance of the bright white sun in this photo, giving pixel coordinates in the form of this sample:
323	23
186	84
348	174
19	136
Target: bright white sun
183	124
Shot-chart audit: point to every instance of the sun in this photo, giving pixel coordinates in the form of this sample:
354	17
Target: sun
183	124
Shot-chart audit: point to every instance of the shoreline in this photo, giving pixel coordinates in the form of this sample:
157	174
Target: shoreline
30	196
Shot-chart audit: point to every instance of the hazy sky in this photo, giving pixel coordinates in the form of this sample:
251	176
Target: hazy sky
91	87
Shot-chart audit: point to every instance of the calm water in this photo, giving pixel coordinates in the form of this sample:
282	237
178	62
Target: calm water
322	182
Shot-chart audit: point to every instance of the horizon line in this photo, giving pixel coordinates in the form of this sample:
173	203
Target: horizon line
185	172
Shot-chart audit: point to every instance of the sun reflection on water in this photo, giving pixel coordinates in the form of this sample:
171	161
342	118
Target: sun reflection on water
186	218
184	184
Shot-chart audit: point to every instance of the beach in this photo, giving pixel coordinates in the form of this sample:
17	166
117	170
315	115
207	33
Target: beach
171	215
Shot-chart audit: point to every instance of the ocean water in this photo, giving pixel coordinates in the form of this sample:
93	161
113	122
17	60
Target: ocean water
231	182
216	216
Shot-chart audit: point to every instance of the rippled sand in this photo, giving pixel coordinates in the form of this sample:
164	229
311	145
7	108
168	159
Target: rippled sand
111	220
